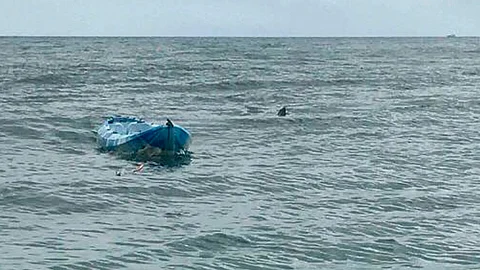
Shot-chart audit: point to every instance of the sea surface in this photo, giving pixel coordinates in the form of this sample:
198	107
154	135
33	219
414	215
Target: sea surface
376	165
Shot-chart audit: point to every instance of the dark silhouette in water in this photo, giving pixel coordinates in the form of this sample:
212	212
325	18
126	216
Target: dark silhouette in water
169	123
282	111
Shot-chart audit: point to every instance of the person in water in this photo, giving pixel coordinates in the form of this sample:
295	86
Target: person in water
282	111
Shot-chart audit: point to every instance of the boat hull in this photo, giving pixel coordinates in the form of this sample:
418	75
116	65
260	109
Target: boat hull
131	135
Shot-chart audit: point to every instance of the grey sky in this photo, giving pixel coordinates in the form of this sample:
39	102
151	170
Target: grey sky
240	17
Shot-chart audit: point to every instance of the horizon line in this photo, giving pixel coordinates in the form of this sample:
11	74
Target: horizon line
228	36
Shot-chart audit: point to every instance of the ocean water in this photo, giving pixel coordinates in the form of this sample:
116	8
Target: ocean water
376	166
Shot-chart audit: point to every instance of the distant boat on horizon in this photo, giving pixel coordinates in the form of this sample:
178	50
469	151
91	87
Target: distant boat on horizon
451	36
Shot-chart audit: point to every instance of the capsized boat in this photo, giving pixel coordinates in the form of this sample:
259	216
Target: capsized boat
131	135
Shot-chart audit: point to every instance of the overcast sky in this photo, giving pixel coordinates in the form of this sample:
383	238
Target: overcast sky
240	17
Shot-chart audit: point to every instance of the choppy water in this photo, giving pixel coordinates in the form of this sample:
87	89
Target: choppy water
376	166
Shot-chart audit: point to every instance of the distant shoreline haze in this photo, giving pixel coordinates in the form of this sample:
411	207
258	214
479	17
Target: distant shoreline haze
179	36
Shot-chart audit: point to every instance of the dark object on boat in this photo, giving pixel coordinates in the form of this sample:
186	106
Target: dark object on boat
169	123
282	111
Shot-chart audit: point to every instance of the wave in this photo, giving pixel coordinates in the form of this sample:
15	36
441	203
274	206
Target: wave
46	79
213	242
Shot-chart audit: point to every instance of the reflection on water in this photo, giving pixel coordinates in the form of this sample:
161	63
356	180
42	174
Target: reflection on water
155	157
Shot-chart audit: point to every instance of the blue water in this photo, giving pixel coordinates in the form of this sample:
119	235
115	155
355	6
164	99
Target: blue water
376	165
